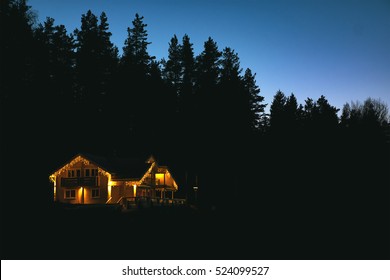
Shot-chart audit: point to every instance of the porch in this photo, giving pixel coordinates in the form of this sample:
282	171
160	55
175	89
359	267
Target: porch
128	203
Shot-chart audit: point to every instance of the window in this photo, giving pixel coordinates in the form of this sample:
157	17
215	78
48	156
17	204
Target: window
95	193
86	172
69	174
94	172
78	172
72	172
70	194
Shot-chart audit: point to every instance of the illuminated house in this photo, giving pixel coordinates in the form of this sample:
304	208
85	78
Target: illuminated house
90	179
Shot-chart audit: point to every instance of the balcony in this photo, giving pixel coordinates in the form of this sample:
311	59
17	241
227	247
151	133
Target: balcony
79	182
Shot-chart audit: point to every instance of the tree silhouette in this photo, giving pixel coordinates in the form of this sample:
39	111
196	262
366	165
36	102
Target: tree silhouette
188	80
173	66
232	101
277	111
207	74
135	50
372	113
257	117
96	62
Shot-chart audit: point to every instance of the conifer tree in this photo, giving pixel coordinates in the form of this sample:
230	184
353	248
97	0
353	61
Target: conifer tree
135	50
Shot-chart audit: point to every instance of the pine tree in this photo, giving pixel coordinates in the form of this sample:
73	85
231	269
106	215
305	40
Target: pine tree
188	69
173	66
277	111
208	65
326	114
291	114
232	102
135	50
56	62
257	117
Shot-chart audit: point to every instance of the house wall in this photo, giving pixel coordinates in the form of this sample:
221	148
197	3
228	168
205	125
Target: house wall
83	194
121	190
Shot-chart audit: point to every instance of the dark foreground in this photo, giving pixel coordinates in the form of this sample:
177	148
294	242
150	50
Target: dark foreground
189	233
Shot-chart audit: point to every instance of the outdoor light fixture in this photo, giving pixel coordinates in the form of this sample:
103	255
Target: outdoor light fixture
196	193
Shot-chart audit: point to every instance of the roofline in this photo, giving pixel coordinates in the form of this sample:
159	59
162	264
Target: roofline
74	157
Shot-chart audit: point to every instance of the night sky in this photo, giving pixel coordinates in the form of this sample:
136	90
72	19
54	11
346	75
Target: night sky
336	48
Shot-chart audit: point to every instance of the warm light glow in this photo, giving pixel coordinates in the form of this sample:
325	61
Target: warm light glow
109	185
135	190
160	179
109	191
173	180
53	179
69	165
80	194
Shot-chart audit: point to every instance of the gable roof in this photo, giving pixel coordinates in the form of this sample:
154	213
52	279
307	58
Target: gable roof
120	168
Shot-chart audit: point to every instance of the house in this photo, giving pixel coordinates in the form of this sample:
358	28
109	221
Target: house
91	179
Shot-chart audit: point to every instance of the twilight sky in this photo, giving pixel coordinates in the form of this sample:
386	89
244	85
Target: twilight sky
338	48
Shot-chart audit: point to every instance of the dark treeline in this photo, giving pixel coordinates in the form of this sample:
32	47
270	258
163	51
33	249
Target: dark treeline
300	174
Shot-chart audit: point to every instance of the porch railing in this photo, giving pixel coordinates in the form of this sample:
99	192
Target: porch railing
143	201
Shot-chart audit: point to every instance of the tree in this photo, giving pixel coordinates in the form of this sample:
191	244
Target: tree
277	111
372	113
135	50
108	53
208	65
96	59
231	103
291	113
17	52
326	115
188	69
96	62
56	52
257	117
173	66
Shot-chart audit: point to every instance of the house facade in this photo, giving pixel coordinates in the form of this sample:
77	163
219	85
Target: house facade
91	179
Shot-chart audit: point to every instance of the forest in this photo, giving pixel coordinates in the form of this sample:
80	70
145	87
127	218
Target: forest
307	170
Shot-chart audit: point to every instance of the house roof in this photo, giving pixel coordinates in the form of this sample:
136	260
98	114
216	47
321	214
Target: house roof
120	168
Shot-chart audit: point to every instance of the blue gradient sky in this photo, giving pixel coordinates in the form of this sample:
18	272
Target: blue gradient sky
337	48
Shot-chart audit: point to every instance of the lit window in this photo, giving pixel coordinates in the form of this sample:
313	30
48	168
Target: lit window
70	194
95	193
